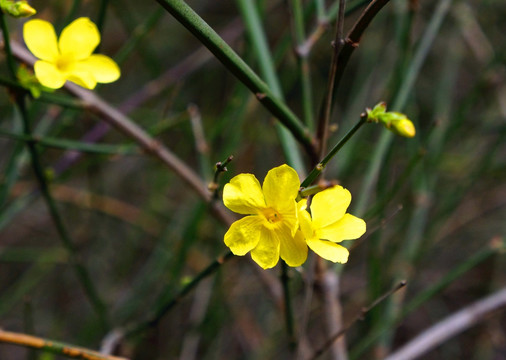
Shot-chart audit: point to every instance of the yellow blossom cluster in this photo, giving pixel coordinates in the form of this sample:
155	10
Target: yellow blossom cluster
277	226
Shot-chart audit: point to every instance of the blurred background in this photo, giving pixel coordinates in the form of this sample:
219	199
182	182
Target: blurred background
434	204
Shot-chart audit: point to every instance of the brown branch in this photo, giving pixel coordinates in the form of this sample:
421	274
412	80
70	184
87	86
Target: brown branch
337	44
352	40
53	346
358	317
115	118
451	326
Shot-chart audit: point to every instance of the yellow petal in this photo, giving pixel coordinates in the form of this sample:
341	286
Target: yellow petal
243	235
102	67
79	39
281	186
243	194
81	76
40	39
48	75
289	213
329	206
293	249
305	223
266	253
349	227
329	250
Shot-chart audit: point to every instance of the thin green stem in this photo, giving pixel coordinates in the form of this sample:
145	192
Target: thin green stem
73	11
321	165
137	35
289	320
73	145
167	305
102	12
137	31
57	99
7	46
232	61
81	272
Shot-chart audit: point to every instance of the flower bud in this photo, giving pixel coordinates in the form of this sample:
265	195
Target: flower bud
24	9
403	127
398	123
17	9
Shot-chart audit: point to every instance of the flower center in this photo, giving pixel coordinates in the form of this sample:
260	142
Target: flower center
63	63
272	215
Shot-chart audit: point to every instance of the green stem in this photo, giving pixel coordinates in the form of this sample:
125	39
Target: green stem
7	46
290	328
167	305
223	52
321	165
73	145
81	272
102	12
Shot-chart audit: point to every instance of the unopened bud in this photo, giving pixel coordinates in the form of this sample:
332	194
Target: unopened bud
403	127
17	8
25	9
398	123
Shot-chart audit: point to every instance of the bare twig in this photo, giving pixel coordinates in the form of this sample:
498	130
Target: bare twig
358	317
352	40
451	326
53	346
220	167
124	124
337	44
328	281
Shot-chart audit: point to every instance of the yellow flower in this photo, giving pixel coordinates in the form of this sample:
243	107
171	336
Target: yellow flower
329	223
70	57
270	230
